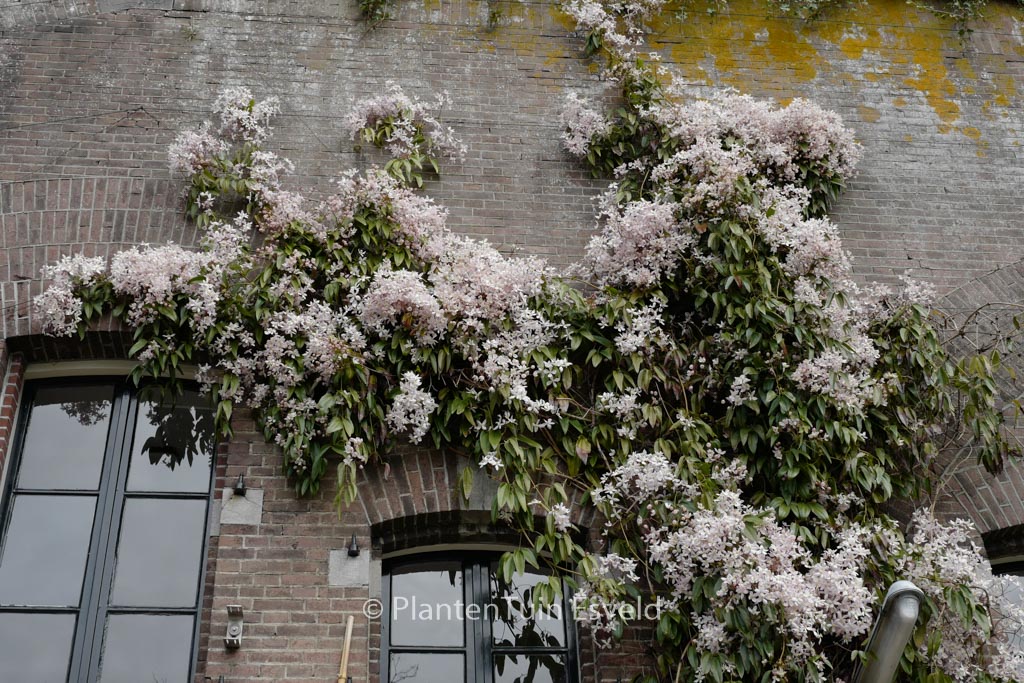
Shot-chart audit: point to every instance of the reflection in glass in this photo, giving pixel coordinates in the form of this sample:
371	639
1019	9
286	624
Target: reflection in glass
514	620
1010	590
159	552
173	445
35	648
66	436
44	555
519	668
147	648
427	606
416	667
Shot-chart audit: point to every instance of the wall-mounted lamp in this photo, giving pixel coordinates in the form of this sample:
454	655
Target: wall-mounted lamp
892	631
353	547
240	485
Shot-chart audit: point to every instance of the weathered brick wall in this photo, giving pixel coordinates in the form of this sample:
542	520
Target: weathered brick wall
92	92
100	94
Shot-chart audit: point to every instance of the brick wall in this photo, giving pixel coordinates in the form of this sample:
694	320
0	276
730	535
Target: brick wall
280	569
12	369
93	91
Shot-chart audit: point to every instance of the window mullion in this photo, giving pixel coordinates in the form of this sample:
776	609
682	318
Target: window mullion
485	667
211	498
109	516
472	629
385	628
572	643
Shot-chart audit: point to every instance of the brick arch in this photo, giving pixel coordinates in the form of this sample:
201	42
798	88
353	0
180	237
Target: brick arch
980	311
415	481
45	219
439	528
107	340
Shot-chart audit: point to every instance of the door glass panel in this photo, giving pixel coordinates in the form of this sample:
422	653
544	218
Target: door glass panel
417	667
173	446
519	668
515	622
44	555
147	648
66	436
159	553
427	606
35	648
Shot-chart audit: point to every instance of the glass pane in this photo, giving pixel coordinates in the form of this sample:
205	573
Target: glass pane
45	550
66	438
1010	590
515	622
35	648
159	552
173	446
529	668
426	604
147	648
416	667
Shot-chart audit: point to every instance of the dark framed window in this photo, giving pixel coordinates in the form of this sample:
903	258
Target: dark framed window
448	619
1013	594
103	535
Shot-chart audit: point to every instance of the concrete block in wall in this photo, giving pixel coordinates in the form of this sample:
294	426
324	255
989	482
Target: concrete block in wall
247	509
346	571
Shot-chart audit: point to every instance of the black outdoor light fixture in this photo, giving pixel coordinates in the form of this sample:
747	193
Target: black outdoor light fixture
353	547
240	485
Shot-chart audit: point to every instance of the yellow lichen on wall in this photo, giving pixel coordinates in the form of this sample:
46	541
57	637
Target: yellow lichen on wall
900	58
885	42
733	47
869	114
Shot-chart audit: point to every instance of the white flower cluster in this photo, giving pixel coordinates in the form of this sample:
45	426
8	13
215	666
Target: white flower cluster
150	277
407	117
560	517
581	124
625	407
242	118
193	150
59	307
727	145
763	566
401	298
641	329
411	408
620	25
638	479
639	244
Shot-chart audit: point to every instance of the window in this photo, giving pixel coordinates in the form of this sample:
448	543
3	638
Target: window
1012	594
104	535
1005	550
449	619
